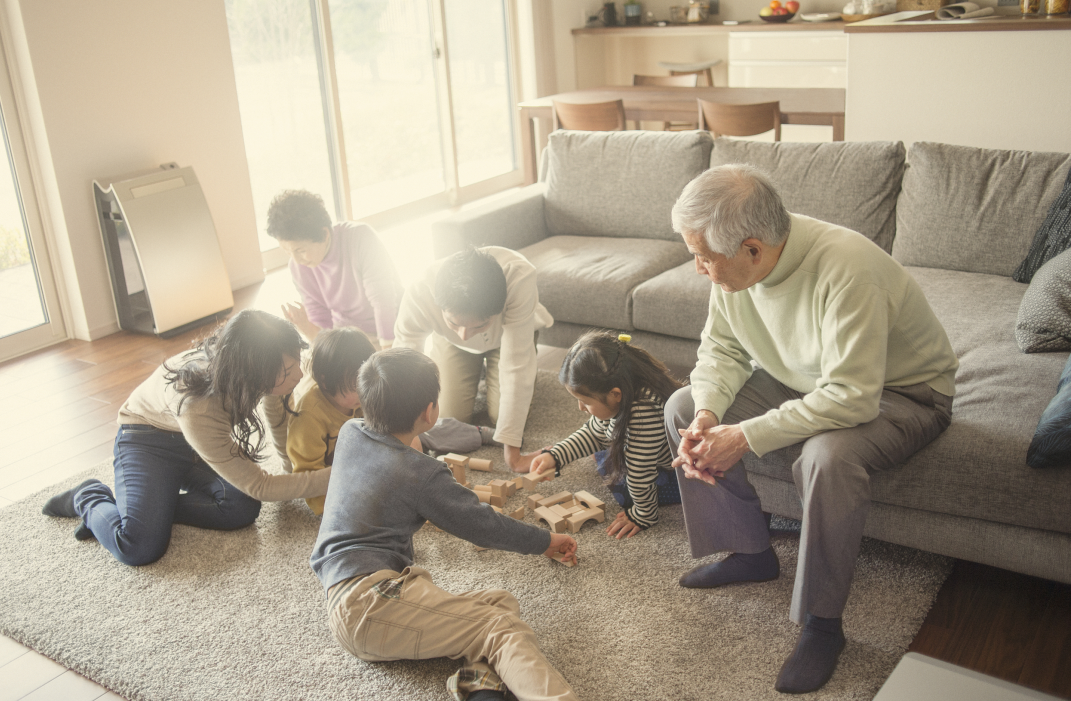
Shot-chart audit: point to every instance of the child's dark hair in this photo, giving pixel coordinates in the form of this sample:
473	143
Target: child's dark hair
298	215
600	361
337	356
241	364
471	283
396	386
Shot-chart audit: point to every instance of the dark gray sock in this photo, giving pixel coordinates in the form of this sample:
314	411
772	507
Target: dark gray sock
487	695
83	533
811	664
738	567
63	503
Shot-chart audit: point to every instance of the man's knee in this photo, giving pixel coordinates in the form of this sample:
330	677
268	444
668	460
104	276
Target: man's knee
679	412
831	460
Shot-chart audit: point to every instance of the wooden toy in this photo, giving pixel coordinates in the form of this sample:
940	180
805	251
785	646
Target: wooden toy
589	500
559	557
557	523
518	483
577	521
479	464
530	481
500	488
533	501
518	514
455	459
459	474
555	499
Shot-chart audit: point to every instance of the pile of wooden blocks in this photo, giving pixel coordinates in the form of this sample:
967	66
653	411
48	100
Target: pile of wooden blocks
567	511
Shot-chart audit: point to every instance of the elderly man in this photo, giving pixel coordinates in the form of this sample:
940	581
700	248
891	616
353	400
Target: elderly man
851	362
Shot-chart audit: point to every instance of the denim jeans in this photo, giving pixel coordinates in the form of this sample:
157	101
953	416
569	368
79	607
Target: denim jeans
159	481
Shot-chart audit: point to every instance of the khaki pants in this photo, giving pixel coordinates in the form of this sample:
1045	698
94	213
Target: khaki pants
459	377
404	616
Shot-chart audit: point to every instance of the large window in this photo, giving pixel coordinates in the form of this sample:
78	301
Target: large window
383	107
29	306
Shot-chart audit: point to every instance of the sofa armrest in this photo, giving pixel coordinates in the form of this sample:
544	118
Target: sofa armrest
514	221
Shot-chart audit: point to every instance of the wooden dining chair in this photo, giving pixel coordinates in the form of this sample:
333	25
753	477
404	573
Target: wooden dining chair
699	68
722	119
690	80
592	116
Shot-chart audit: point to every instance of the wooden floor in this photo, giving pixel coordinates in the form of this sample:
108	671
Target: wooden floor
1006	625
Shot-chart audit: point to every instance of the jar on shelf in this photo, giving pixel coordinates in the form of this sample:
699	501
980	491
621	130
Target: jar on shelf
1056	7
1029	8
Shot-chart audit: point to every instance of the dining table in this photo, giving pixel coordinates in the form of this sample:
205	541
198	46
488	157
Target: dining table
821	106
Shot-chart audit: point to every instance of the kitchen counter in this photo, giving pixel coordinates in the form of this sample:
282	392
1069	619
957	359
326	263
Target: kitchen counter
925	22
675	30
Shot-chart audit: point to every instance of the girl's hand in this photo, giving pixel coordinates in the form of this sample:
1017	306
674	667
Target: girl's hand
518	462
564	544
623	526
542	462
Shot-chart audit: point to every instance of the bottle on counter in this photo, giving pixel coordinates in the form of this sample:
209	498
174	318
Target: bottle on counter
633	13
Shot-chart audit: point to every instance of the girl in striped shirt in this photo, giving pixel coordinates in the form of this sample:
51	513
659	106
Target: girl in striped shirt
624	389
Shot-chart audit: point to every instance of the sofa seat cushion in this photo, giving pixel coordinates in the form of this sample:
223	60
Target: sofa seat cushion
851	184
974	209
977	468
589	280
620	184
674	303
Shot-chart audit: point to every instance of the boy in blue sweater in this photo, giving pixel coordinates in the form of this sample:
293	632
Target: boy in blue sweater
380	605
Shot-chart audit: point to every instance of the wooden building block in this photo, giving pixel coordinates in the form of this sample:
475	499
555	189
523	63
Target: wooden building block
497	501
577	521
559	557
588	500
557	508
479	464
484	497
556	499
497	509
557	523
459	473
455	459
500	488
518	514
482	488
518	483
533	501
531	480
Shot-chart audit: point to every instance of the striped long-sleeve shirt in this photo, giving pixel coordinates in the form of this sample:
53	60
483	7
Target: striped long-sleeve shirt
646	451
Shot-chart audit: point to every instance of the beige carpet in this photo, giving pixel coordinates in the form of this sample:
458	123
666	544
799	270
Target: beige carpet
240	615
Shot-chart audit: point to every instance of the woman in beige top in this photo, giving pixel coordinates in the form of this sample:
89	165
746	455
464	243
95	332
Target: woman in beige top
190	443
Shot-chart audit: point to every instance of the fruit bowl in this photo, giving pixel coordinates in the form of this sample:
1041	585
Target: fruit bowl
777	18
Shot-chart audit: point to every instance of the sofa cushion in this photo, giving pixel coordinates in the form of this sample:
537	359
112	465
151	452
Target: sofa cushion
851	184
621	184
973	209
1051	446
674	303
589	279
977	468
1053	237
1044	321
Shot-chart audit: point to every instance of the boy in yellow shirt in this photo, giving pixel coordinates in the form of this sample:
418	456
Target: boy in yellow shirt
332	399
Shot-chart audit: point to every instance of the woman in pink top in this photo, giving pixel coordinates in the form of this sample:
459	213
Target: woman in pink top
343	272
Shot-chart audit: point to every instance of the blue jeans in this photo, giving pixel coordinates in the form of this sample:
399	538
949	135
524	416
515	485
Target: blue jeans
159	481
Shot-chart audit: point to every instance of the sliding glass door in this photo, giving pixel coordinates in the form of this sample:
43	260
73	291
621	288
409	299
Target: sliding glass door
382	107
29	305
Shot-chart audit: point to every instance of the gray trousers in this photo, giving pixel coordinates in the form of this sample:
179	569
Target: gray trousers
832	477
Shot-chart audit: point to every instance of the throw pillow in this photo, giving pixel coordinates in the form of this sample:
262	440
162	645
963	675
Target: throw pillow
1052	237
1051	446
1044	321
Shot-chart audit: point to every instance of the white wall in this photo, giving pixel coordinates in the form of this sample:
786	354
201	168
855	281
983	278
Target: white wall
1001	90
115	86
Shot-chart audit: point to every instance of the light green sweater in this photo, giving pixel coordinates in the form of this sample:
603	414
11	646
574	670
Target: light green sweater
837	319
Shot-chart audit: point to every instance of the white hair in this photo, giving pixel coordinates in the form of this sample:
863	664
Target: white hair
729	204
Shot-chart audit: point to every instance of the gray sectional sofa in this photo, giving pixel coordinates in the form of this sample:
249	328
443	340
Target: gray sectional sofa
960	220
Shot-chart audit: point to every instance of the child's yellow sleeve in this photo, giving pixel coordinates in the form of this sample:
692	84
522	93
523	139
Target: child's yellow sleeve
307	449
